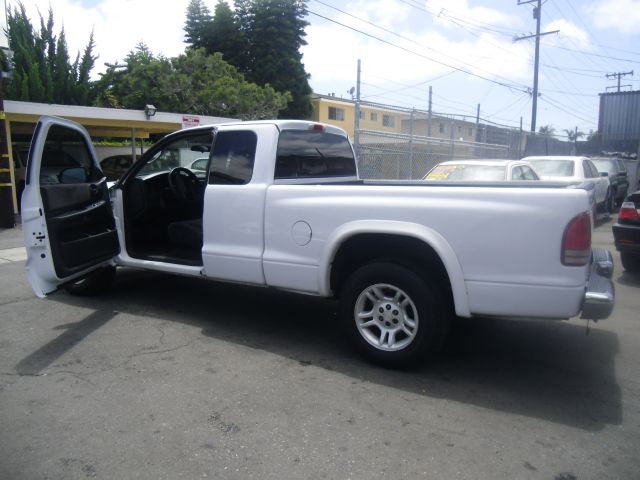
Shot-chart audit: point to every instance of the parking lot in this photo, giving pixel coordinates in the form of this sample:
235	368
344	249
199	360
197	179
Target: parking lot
167	377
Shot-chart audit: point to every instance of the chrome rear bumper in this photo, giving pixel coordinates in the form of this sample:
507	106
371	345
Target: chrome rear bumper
599	296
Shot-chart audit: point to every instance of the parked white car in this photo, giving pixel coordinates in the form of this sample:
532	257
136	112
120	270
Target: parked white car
482	170
576	170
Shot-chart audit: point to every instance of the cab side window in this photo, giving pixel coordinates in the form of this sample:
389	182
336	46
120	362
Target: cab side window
528	173
517	174
589	170
66	158
233	157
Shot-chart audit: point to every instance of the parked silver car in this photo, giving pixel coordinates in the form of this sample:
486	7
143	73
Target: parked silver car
576	170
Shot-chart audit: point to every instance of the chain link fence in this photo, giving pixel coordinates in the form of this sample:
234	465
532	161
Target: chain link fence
411	153
405	157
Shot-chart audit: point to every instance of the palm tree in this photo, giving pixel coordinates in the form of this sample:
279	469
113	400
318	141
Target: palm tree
547	130
573	135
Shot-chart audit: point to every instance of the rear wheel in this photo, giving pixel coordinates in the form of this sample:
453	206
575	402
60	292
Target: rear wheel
95	283
394	316
630	262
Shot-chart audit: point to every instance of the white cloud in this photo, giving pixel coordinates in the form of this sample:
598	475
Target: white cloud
118	26
333	50
481	42
623	15
460	9
570	34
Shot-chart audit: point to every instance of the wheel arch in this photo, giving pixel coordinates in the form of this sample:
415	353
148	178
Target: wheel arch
417	246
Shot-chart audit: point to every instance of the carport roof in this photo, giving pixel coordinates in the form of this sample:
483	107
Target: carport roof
104	122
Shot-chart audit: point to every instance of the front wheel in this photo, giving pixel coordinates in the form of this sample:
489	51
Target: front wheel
394	316
95	283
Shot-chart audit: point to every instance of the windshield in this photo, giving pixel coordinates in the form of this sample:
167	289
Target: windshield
609	166
553	168
180	153
467	172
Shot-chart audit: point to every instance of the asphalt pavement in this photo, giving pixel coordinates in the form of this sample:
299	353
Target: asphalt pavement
167	377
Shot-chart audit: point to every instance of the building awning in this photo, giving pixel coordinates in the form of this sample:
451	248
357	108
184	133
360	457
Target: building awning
104	122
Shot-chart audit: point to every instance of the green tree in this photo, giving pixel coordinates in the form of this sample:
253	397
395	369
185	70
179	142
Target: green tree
197	24
547	130
190	83
224	36
42	71
573	135
262	38
82	71
275	31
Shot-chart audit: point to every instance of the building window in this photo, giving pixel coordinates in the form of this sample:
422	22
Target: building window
388	121
441	127
470	132
373	117
459	130
336	113
362	115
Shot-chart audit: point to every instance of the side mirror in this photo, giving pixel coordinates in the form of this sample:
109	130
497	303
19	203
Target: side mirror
73	175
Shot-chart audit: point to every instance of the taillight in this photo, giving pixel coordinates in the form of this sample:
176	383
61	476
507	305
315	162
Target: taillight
316	127
628	211
576	241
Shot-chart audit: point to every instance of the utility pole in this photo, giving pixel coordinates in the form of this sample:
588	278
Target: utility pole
537	14
619	75
356	129
429	120
413	111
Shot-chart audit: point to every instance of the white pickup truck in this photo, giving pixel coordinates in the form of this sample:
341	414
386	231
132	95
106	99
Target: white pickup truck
282	206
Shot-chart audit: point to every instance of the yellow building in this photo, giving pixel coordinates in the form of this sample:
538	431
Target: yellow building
341	113
440	127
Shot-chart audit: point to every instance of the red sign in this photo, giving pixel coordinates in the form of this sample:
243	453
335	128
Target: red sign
190	121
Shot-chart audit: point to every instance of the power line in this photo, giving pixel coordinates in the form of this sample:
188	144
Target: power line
567	92
517	87
478	25
368	22
556	104
470	65
408	87
591	54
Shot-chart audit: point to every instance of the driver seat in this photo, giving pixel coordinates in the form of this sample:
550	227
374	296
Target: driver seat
186	233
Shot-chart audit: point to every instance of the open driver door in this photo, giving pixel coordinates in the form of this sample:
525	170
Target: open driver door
67	219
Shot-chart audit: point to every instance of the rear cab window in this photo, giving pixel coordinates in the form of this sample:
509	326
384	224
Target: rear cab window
313	154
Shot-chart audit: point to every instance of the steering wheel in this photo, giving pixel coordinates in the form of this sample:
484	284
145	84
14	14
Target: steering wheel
184	184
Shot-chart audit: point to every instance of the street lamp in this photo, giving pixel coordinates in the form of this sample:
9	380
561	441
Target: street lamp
150	111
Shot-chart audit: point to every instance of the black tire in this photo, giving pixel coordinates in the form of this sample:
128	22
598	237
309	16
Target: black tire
606	207
609	203
614	195
418	301
97	282
630	262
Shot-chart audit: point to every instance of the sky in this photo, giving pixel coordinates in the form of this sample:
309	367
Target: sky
464	49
